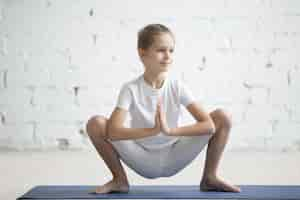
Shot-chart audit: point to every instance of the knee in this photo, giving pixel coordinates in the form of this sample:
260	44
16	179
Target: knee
222	118
96	125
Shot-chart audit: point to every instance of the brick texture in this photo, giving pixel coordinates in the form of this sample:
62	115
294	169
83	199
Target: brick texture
61	62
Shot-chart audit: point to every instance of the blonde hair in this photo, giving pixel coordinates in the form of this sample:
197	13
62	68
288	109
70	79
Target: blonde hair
146	35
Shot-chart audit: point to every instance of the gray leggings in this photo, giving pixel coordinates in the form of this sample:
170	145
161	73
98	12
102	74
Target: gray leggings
165	162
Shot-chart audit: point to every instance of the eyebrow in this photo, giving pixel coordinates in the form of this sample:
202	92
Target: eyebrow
172	47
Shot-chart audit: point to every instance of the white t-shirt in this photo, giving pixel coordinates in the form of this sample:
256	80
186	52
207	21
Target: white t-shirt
140	99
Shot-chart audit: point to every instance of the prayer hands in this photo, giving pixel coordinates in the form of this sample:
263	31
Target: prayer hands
160	120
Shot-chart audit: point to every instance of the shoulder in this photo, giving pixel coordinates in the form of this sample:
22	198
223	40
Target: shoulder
131	84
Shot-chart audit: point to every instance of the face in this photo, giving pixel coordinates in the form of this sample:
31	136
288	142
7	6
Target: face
159	56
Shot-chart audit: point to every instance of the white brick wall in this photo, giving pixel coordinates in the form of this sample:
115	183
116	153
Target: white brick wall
62	62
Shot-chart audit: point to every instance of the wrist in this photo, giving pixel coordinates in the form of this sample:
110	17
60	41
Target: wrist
154	131
172	131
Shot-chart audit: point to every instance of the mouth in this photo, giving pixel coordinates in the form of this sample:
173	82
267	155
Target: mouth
165	63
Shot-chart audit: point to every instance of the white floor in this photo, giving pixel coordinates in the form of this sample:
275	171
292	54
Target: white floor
20	171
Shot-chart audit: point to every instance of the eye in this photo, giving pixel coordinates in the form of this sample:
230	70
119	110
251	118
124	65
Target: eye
172	50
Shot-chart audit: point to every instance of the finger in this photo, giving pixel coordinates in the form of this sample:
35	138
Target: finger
160	100
158	119
158	114
158	105
160	108
157	110
162	118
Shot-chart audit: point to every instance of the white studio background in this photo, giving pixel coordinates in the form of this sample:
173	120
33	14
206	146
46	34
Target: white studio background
63	61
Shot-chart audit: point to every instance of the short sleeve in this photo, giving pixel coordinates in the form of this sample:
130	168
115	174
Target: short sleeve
124	98
185	94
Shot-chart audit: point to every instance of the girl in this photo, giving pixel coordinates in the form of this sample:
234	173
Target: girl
154	146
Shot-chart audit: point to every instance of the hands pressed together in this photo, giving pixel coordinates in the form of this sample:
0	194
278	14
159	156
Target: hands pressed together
161	124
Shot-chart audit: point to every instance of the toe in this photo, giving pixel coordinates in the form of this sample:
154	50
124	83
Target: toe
218	185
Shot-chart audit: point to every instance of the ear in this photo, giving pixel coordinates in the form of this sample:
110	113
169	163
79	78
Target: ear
141	52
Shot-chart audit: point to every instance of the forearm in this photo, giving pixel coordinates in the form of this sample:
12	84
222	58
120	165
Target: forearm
124	133
197	129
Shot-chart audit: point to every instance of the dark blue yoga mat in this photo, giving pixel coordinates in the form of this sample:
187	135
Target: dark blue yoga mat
165	192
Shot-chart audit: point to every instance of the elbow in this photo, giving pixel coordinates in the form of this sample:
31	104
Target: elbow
111	133
211	127
112	137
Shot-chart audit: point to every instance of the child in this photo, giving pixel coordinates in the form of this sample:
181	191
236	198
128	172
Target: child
154	146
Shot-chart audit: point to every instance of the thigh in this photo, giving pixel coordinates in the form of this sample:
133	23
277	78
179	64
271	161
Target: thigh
144	162
183	152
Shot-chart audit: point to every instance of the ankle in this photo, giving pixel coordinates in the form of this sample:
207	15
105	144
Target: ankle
209	176
120	179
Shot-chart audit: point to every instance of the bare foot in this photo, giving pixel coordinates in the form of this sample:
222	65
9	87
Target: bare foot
216	184
112	186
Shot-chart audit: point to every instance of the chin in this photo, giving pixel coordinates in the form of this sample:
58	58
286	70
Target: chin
164	73
164	70
166	67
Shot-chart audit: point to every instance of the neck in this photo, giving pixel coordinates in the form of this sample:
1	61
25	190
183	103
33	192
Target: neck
154	80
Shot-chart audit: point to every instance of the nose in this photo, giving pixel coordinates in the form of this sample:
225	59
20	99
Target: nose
167	55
